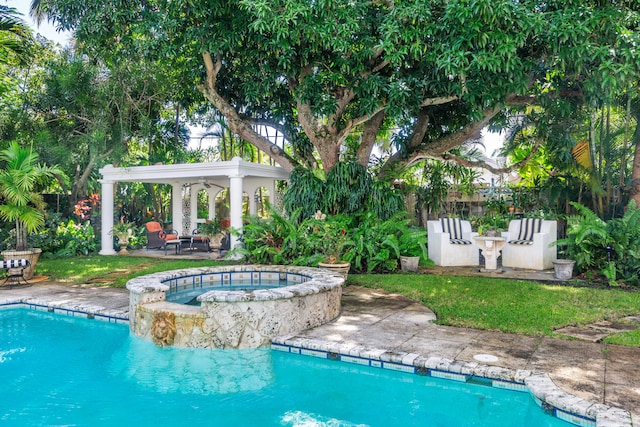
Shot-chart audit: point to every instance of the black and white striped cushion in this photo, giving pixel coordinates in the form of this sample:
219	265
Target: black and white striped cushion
15	263
459	242
528	227
453	226
521	242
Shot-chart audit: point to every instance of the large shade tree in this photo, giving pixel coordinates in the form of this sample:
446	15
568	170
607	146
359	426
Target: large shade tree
326	72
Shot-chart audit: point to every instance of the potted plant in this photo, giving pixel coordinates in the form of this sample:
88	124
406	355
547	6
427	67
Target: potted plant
20	179
212	228
333	240
123	231
412	244
491	225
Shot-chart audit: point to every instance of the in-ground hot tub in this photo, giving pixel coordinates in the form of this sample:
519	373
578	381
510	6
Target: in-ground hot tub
241	306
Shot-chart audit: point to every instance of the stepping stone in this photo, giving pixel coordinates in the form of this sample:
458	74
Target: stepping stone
633	319
614	326
583	333
596	331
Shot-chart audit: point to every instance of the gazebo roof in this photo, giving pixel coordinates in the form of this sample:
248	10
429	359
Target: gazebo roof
185	173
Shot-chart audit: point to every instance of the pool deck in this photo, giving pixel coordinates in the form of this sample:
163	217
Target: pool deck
596	372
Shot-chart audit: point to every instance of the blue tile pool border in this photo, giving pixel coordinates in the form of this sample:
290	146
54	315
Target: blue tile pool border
66	311
544	392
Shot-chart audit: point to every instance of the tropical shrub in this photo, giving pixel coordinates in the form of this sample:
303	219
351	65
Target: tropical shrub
65	239
21	178
611	248
277	240
368	243
349	189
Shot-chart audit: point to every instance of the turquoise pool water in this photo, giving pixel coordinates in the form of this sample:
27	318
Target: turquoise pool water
190	296
59	370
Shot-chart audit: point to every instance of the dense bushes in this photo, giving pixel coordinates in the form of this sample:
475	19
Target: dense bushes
368	243
611	248
348	189
60	238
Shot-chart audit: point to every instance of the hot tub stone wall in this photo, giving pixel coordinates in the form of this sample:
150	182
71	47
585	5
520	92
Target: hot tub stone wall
233	319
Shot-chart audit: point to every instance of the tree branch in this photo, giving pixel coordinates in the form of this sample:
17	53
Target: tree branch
212	68
484	165
446	143
438	100
236	124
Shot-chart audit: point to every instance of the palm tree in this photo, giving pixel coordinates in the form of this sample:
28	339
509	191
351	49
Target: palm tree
15	37
19	181
37	11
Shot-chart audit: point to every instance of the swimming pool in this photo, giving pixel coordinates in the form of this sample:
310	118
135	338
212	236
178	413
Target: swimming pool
59	370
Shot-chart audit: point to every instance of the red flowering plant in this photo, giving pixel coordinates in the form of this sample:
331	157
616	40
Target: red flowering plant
85	208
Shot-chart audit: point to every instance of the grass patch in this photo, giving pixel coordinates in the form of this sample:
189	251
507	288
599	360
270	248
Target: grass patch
631	339
113	271
513	306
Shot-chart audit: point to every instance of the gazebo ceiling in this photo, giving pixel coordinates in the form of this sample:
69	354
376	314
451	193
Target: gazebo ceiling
191	173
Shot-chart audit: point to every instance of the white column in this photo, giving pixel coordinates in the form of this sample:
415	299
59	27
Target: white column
176	207
272	192
253	206
193	208
107	218
235	201
212	214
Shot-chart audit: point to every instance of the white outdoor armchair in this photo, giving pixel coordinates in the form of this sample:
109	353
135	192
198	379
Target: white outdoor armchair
450	243
530	244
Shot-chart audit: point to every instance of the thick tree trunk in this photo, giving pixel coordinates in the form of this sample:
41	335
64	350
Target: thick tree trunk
369	135
236	124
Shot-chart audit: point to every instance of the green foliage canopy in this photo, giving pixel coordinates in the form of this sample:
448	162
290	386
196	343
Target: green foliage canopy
328	69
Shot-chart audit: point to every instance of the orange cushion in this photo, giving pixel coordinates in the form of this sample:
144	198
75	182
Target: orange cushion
153	226
167	237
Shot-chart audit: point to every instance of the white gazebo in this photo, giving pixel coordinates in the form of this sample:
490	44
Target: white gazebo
187	180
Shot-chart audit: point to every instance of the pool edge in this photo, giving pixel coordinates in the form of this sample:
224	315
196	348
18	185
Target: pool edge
539	385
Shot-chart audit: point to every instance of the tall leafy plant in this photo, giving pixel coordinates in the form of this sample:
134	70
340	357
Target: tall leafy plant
365	241
20	180
277	240
611	248
625	244
348	189
587	239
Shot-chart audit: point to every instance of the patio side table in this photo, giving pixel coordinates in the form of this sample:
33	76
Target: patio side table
491	248
175	243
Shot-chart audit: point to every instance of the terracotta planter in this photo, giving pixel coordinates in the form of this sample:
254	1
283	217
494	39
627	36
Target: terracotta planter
338	267
32	255
409	263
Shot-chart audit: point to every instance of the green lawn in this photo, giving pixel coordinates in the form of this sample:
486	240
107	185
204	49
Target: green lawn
112	271
513	306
